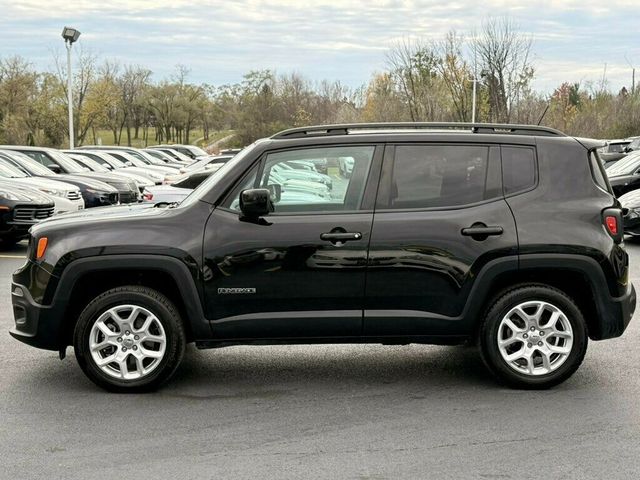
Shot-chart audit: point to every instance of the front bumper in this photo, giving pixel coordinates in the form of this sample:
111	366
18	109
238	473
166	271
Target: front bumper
29	326
35	324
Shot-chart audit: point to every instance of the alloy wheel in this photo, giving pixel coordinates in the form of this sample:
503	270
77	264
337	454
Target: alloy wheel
127	342
535	338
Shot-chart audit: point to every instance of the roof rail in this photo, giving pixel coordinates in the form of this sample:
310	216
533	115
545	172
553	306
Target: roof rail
345	129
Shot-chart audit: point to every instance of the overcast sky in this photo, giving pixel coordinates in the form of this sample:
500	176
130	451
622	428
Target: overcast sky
343	40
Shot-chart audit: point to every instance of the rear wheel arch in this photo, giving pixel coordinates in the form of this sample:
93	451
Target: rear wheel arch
579	279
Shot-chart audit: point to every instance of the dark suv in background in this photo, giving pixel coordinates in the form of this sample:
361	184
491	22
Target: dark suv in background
21	207
506	236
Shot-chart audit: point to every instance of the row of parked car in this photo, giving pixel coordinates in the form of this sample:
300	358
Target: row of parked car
621	160
37	182
614	150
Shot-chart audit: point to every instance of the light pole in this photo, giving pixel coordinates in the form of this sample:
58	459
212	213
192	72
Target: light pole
70	36
475	83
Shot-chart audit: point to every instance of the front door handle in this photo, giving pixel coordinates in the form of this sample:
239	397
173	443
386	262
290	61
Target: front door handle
479	231
339	236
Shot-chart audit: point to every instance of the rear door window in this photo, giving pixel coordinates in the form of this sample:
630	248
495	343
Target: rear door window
426	176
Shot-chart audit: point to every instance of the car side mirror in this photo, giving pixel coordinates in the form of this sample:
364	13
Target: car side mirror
256	202
54	168
275	189
128	163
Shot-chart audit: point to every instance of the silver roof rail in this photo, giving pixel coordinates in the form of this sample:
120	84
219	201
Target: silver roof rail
345	129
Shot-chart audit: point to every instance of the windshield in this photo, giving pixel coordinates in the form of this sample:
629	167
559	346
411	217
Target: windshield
7	170
216	176
124	157
90	163
177	155
617	147
625	166
159	155
196	150
67	164
29	165
150	158
134	154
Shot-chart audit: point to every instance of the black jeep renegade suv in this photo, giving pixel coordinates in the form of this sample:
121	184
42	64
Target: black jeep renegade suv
504	235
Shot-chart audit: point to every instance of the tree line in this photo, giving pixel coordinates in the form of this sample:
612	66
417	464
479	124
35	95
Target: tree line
422	81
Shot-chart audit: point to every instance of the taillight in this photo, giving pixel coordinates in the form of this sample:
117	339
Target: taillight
612	221
612	224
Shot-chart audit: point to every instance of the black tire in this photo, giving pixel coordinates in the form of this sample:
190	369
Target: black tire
488	336
156	303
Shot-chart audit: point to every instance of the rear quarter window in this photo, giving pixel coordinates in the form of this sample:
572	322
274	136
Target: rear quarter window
598	173
519	169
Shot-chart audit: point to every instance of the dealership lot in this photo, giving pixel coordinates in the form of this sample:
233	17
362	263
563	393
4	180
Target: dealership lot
319	412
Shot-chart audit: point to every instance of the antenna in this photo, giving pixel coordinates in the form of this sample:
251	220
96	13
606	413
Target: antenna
543	114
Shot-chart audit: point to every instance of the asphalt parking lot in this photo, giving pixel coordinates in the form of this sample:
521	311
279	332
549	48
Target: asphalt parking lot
356	412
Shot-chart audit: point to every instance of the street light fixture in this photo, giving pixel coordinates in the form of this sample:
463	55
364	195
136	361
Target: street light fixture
70	36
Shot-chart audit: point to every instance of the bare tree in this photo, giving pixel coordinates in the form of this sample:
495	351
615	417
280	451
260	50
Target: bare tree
457	75
414	67
504	53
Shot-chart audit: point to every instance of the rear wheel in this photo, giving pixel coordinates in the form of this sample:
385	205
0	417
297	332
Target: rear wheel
129	339
533	336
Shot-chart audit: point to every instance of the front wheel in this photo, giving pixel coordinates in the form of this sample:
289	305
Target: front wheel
129	339
533	337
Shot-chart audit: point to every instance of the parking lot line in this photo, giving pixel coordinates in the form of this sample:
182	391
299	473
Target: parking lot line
12	256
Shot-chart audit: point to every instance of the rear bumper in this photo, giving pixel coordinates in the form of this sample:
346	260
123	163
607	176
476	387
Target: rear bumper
615	315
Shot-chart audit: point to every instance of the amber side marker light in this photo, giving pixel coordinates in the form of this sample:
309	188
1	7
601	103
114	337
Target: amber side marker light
42	247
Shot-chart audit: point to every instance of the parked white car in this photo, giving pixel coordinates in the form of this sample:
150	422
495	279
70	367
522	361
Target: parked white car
66	197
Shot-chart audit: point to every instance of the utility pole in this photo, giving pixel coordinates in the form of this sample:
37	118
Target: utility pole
633	74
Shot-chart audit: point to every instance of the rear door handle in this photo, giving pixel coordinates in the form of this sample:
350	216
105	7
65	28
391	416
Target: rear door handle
479	231
340	237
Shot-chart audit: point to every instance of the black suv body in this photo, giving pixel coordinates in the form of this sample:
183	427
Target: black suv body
504	235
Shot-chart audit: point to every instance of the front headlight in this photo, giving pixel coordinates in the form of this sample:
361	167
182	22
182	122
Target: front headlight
8	195
55	193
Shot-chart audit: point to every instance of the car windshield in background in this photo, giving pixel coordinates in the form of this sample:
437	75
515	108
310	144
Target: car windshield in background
7	170
156	153
28	164
150	159
194	167
67	163
626	166
616	147
90	163
124	157
205	186
196	151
